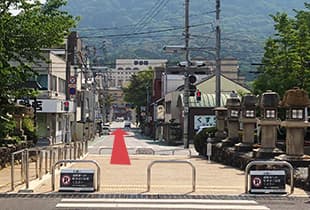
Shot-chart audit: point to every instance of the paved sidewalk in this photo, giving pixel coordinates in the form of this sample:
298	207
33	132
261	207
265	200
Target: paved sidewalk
166	178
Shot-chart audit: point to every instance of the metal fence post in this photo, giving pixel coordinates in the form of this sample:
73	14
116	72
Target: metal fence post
74	150
51	159
27	168
65	153
46	161
12	171
37	162
22	166
70	151
40	164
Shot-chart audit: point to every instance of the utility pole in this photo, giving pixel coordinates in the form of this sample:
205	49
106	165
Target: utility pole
218	56
186	78
70	53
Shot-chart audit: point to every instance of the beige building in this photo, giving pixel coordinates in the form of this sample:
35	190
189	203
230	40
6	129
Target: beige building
52	119
227	85
125	68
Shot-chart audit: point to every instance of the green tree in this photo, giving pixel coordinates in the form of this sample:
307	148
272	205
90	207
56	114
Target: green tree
22	36
139	89
287	54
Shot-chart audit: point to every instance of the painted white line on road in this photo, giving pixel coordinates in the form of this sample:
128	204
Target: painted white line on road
160	206
186	201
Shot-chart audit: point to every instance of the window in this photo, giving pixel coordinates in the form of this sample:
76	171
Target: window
62	85
128	68
270	113
140	62
136	62
136	69
297	114
120	68
249	113
59	125
145	62
168	107
54	83
43	80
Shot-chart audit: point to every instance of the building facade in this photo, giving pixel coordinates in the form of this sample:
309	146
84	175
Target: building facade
125	68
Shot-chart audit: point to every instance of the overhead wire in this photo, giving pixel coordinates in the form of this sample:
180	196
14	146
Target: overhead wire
144	32
123	27
147	17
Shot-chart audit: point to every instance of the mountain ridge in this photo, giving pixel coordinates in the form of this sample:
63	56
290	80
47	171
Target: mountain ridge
127	28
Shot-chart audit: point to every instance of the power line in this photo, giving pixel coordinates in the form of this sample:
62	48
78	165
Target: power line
145	32
123	27
140	25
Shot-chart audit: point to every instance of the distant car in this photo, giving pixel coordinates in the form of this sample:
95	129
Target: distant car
127	124
106	130
119	119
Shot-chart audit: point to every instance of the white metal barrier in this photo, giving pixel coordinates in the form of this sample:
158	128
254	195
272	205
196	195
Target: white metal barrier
269	163
48	155
171	161
76	161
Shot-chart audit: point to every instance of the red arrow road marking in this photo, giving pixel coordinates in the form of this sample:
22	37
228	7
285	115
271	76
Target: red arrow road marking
119	151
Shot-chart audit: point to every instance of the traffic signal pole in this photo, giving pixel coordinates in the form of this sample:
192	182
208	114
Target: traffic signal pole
186	78
218	56
69	58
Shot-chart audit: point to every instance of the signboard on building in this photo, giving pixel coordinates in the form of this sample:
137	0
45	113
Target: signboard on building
160	112
204	120
267	181
81	180
49	105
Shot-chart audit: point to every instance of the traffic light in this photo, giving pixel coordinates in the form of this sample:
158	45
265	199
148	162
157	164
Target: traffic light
192	79
66	106
198	95
192	88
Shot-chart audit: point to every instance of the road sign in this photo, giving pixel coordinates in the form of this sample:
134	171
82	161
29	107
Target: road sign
81	180
72	80
72	90
268	181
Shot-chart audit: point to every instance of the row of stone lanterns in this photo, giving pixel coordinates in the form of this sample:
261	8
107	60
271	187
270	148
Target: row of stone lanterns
295	102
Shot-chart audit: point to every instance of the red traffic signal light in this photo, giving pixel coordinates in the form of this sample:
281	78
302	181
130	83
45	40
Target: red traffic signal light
66	106
198	95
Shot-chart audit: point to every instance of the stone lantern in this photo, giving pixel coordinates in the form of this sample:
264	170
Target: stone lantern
233	112
221	117
248	119
268	122
295	101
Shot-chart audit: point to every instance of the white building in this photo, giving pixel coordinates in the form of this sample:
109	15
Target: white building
52	119
126	67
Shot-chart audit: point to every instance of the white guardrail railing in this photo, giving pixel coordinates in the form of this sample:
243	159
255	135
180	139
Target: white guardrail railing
44	159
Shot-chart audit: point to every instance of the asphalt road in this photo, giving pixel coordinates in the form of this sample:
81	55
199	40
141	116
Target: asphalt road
133	140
